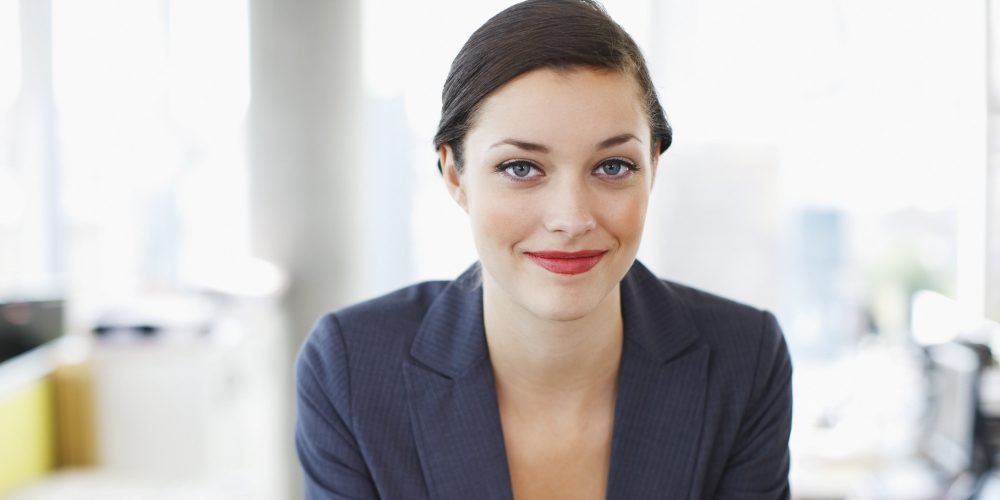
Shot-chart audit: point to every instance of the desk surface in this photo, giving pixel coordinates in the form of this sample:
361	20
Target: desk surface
85	484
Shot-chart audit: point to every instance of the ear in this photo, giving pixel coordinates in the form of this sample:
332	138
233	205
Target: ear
452	177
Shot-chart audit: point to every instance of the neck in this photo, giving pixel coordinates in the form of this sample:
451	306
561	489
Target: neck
553	362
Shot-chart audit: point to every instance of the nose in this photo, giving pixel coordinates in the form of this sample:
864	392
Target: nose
569	209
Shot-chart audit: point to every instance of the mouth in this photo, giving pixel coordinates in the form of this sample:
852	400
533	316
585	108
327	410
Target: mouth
567	262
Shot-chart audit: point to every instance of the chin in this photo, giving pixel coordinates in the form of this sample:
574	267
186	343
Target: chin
551	297
560	305
560	314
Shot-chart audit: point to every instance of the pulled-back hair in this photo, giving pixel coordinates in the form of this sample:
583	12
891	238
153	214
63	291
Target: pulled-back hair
558	34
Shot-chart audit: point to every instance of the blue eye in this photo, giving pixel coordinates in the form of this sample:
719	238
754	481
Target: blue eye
519	169
615	167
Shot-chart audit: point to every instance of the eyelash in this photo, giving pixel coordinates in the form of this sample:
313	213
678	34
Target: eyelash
503	168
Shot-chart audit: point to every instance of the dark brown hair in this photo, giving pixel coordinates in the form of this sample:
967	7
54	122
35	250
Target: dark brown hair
560	34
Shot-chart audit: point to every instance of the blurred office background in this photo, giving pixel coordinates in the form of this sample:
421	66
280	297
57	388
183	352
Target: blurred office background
185	186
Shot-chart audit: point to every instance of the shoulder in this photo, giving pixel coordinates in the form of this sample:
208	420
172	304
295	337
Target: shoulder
726	323
749	354
750	362
749	403
378	331
708	307
401	309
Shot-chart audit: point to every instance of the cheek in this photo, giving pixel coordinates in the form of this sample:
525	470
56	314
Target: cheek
498	222
627	217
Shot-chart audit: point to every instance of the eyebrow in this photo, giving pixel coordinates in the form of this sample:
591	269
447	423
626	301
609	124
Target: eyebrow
525	145
616	140
531	146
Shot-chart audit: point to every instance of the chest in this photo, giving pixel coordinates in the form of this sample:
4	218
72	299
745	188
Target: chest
453	438
547	461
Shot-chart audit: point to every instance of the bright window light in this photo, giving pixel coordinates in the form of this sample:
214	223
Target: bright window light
10	53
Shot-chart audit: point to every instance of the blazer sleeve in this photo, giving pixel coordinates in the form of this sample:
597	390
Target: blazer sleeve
757	467
332	465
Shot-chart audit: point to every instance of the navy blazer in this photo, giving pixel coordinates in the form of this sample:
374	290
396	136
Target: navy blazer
396	398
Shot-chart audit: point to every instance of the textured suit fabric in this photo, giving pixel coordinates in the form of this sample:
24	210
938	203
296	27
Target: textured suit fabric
396	398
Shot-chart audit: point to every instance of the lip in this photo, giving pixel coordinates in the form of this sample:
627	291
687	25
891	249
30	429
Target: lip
567	262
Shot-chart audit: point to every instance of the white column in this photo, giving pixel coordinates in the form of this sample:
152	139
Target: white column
991	187
38	246
303	135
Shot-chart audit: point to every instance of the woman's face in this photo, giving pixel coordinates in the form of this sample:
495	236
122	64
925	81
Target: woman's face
556	179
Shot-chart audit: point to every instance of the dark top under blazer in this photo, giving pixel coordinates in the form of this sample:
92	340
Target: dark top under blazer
396	398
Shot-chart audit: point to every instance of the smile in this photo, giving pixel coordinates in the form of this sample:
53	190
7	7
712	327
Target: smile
567	262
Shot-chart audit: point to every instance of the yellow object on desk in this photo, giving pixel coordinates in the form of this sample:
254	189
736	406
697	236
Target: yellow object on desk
27	434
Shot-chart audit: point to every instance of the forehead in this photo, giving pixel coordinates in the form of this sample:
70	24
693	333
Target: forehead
552	106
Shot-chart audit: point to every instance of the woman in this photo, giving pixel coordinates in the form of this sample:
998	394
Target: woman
559	367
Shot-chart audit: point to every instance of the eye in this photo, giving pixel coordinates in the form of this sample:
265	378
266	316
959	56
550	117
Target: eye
519	169
616	168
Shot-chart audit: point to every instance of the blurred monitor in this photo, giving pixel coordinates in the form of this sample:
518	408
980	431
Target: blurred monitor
953	378
25	325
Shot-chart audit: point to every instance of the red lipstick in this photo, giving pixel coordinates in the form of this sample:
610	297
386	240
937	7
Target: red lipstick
567	262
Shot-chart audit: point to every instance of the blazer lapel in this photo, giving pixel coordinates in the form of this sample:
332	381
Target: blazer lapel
661	394
658	410
452	399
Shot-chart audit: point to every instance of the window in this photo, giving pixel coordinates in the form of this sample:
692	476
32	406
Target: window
122	163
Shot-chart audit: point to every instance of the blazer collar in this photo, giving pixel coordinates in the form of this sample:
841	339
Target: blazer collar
452	398
451	338
654	315
658	412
